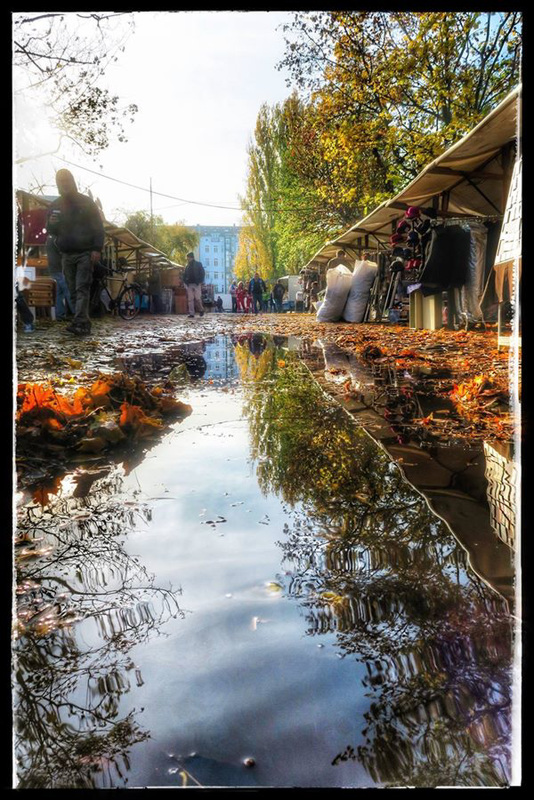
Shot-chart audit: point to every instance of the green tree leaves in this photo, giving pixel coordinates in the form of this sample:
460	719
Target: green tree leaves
175	240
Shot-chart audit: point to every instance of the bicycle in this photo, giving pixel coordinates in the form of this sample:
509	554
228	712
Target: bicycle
129	296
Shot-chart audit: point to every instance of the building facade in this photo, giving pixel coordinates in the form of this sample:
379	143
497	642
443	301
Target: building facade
216	250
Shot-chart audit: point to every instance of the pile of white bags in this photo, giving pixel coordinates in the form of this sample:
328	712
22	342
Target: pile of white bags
347	293
338	282
362	280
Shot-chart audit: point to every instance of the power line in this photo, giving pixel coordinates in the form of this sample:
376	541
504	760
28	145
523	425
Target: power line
183	201
144	189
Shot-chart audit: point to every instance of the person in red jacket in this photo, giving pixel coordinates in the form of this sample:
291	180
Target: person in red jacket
240	293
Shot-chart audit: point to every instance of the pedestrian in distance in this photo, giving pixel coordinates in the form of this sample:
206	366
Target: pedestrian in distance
256	288
278	295
340	259
233	290
240	293
193	280
75	221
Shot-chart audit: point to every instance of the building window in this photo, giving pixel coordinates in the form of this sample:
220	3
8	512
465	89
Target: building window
215	274
207	248
215	248
207	262
215	262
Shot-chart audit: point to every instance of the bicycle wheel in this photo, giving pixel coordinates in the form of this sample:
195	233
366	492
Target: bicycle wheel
129	302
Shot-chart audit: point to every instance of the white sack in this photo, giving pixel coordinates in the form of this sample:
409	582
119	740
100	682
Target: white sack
362	280
337	290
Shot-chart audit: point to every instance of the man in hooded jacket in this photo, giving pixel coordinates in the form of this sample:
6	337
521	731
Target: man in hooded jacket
75	222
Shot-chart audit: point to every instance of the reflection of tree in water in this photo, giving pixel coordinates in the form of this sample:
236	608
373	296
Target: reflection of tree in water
71	566
374	565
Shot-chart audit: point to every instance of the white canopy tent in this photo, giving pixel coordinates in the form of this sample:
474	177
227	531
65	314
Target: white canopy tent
470	179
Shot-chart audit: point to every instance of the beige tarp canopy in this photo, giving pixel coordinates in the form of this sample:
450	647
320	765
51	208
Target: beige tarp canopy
127	244
469	179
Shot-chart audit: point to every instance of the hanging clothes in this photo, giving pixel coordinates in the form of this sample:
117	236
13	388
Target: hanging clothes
448	258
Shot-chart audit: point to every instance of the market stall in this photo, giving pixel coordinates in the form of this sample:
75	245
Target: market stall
152	268
458	201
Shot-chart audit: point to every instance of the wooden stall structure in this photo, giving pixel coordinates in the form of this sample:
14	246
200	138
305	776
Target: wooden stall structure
120	246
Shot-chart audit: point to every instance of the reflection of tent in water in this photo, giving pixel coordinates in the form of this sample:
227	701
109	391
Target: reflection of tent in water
195	365
501	474
191	357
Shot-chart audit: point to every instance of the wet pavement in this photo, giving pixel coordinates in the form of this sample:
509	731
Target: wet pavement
258	596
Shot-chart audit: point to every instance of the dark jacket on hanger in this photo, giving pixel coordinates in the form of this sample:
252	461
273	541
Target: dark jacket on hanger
448	257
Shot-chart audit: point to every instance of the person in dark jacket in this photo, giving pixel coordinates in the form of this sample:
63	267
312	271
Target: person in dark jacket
256	288
278	295
193	279
75	221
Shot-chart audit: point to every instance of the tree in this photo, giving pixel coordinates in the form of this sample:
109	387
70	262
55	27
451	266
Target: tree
260	200
175	240
59	59
284	216
391	90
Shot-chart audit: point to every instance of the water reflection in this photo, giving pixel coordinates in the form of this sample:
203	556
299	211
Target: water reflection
205	360
374	566
501	474
73	727
374	573
468	483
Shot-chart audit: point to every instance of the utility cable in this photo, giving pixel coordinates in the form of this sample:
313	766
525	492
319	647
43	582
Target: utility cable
189	202
144	188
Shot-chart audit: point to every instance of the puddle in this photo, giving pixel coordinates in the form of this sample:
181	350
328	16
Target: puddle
261	600
469	484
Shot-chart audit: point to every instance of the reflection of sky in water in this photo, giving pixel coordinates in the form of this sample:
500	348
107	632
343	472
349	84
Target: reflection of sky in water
255	666
238	676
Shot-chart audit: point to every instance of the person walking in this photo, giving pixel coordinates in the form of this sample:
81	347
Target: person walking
278	294
257	288
193	279
233	290
75	220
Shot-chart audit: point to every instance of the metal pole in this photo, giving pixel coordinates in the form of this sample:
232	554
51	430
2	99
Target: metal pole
151	213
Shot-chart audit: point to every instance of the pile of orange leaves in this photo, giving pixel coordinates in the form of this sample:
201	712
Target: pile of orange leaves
113	408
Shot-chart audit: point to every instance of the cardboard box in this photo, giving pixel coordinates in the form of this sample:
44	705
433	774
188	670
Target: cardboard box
180	304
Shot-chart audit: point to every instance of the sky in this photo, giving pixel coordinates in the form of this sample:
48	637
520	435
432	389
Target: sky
198	79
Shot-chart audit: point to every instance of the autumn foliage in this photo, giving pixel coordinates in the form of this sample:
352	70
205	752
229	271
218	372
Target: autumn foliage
115	407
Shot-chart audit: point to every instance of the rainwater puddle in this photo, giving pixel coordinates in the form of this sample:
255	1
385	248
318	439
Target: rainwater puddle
261	600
